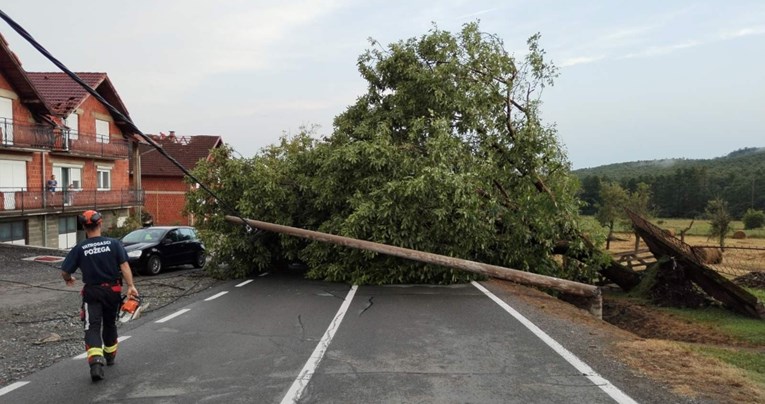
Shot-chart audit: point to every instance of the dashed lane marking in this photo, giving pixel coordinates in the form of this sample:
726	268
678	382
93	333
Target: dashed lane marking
9	388
296	390
582	367
85	354
172	316
243	283
215	296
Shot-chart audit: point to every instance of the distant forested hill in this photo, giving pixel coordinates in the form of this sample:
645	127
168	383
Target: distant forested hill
682	187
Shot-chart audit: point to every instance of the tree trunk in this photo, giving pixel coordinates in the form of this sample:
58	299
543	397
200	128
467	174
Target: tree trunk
624	277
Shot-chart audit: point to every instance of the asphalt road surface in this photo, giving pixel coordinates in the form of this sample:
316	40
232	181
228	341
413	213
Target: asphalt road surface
284	339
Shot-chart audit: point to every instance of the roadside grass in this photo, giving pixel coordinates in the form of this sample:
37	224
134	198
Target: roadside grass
700	227
742	328
753	363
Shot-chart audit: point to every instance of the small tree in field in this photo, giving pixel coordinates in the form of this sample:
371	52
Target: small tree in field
717	214
613	198
753	219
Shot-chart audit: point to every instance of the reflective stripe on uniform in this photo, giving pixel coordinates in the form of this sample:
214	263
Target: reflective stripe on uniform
95	352
87	316
110	349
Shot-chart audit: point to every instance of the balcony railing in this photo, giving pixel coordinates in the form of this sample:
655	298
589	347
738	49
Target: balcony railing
25	134
89	144
21	201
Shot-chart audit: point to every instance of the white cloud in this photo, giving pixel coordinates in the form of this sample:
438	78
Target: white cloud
742	32
663	50
477	13
580	60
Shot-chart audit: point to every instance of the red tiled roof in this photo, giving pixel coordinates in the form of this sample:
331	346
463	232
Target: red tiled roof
62	93
187	150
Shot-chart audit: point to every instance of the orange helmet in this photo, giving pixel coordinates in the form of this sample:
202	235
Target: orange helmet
90	218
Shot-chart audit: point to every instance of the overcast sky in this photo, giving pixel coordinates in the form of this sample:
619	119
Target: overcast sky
639	80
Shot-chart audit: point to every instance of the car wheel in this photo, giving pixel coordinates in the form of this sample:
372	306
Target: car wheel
153	265
201	259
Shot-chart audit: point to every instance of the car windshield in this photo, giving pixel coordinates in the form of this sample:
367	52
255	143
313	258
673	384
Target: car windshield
144	236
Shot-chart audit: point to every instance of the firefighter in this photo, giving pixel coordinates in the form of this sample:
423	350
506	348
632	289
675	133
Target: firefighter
101	260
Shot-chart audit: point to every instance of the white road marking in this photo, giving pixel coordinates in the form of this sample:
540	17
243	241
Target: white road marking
264	274
172	316
296	390
85	354
9	388
243	283
215	296
582	367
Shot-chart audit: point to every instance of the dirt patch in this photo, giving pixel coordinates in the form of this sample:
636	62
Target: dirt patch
39	314
647	321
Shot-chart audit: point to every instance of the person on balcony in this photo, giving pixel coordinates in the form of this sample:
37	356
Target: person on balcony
51	184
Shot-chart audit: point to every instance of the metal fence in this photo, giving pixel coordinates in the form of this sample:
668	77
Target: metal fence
24	134
91	144
20	200
734	261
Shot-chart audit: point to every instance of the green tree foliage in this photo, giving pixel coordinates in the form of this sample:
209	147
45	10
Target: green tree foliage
682	188
613	201
444	153
719	218
753	219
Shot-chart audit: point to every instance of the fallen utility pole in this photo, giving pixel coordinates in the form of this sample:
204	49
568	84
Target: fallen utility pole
593	300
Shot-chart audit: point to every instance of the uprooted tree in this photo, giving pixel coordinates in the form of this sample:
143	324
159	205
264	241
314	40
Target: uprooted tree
444	153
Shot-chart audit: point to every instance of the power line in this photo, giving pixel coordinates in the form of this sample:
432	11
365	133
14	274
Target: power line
26	35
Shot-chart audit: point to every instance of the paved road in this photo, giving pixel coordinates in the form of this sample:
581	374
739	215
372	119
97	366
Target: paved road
286	339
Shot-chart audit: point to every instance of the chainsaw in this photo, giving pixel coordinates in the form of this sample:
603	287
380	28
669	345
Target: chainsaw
131	308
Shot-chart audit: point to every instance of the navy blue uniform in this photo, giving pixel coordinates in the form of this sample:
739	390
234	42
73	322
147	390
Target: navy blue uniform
99	260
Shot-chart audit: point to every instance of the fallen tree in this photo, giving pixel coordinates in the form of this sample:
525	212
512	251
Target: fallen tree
445	153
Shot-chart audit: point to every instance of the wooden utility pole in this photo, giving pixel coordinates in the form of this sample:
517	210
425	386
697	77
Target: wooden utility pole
591	294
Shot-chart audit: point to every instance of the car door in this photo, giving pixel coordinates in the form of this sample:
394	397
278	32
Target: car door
171	247
190	245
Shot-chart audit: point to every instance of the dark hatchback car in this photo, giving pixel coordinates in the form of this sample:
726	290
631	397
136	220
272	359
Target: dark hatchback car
152	249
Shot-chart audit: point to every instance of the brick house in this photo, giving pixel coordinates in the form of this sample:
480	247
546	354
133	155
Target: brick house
52	127
163	183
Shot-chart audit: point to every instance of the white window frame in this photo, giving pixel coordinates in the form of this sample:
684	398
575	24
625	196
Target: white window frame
17	241
67	239
102	134
101	173
72	121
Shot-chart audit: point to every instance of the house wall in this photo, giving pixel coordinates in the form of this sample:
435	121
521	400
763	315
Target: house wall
164	199
92	109
20	112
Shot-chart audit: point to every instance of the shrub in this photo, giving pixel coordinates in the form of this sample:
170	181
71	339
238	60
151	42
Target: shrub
753	219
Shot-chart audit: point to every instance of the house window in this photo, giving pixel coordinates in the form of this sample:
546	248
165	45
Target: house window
69	176
102	131
13	178
103	179
6	121
73	123
13	232
67	232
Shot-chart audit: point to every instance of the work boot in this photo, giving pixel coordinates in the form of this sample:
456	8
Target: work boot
97	368
110	357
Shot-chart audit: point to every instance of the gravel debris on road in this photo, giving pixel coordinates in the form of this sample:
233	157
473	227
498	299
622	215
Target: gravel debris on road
40	316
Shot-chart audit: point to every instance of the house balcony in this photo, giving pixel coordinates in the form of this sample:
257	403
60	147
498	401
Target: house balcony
25	135
20	202
91	145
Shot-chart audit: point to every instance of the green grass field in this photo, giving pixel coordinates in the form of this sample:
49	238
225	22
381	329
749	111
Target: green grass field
699	228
